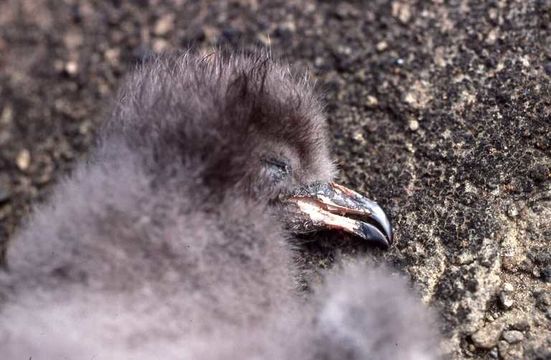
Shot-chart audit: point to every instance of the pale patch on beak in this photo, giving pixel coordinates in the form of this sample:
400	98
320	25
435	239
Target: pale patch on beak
332	206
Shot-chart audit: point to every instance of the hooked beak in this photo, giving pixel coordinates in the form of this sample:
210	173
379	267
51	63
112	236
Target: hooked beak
332	206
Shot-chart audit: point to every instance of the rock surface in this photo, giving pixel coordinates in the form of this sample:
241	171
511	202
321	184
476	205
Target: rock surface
439	110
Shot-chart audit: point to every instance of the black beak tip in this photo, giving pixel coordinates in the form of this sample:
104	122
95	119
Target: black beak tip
373	234
383	224
390	236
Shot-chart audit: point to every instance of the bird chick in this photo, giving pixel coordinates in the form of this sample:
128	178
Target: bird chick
172	240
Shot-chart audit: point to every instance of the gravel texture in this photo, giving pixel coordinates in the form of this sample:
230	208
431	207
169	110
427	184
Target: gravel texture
440	110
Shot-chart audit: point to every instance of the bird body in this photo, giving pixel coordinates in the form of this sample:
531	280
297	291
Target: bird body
168	243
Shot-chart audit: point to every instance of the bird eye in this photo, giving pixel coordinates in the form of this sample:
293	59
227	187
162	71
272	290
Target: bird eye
277	169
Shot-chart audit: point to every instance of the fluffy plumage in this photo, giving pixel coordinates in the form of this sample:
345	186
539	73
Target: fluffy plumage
166	243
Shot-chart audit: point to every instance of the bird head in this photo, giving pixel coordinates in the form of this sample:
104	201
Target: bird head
247	126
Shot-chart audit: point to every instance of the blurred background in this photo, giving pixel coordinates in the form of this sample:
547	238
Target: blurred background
440	110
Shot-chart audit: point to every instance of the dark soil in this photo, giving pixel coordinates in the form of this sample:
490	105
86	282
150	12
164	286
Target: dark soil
440	110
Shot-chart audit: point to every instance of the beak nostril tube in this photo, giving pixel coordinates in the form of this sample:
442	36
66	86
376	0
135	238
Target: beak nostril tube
333	206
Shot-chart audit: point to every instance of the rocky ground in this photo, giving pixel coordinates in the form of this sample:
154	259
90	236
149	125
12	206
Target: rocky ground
440	110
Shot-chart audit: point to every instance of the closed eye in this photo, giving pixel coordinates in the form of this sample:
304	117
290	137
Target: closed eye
277	169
